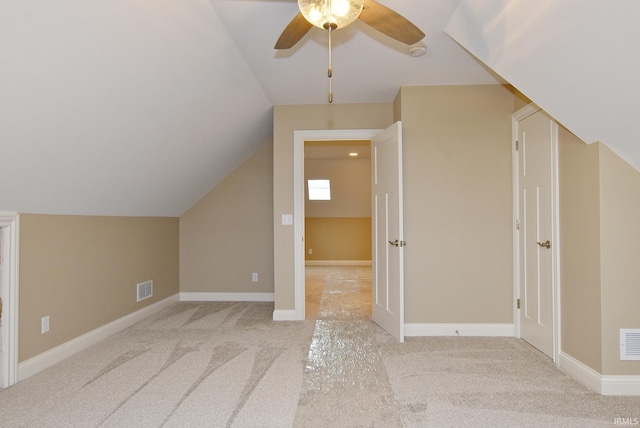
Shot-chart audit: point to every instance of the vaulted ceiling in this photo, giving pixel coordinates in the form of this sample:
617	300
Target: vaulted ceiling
134	107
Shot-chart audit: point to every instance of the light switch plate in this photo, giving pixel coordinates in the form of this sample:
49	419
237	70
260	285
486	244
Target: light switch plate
287	219
45	325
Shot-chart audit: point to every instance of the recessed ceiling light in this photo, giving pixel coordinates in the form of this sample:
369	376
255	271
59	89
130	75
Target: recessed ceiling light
353	154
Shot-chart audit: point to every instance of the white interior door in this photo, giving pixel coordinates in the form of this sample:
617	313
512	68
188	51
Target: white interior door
387	230
536	246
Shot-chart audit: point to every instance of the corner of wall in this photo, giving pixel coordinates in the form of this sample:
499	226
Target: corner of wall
228	235
580	256
619	232
397	106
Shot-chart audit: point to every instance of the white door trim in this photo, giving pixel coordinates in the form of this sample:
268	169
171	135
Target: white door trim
519	115
10	222
299	137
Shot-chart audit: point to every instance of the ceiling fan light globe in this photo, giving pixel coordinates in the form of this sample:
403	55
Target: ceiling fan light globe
334	13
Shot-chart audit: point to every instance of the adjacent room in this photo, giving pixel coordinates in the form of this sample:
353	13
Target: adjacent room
337	217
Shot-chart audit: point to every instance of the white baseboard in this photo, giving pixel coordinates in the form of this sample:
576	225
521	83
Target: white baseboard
285	315
55	355
620	385
602	384
496	330
227	297
337	262
585	374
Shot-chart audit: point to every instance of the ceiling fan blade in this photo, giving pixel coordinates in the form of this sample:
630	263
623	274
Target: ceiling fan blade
296	30
390	23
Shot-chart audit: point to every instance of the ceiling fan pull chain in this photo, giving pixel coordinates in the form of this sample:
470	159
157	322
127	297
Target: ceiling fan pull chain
330	71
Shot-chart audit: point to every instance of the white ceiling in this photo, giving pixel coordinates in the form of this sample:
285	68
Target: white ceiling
132	107
323	150
119	107
367	65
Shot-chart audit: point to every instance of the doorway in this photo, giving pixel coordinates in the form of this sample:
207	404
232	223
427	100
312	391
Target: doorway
387	258
9	294
338	231
536	240
299	199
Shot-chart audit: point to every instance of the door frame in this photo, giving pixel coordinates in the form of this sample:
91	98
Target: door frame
10	223
518	116
299	137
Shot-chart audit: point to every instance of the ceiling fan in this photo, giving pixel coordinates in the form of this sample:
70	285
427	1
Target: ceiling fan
332	15
335	14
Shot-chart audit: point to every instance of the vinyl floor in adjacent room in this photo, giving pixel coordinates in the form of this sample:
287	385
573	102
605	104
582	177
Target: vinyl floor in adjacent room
227	364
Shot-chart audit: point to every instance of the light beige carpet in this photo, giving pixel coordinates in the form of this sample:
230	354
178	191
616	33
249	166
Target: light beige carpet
228	364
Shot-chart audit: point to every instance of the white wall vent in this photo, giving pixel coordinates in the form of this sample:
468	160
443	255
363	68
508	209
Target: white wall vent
145	290
630	344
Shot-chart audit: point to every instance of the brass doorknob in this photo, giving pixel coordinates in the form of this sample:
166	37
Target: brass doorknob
394	243
545	244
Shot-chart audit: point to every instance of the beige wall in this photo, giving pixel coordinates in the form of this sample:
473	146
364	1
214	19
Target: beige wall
600	243
457	154
82	272
458	203
350	187
520	99
579	191
338	238
228	234
620	248
339	229
287	119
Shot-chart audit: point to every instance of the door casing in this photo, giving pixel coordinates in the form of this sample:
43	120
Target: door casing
9	222
521	114
299	137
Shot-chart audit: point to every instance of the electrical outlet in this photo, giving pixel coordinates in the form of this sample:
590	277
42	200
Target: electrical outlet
254	277
45	325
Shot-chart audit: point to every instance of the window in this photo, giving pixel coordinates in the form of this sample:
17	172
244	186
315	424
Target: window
319	190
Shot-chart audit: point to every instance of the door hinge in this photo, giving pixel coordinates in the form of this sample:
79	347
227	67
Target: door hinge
517	224
518	303
517	145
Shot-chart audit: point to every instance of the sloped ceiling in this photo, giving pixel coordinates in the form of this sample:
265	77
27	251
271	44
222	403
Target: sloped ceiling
115	107
578	60
137	107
